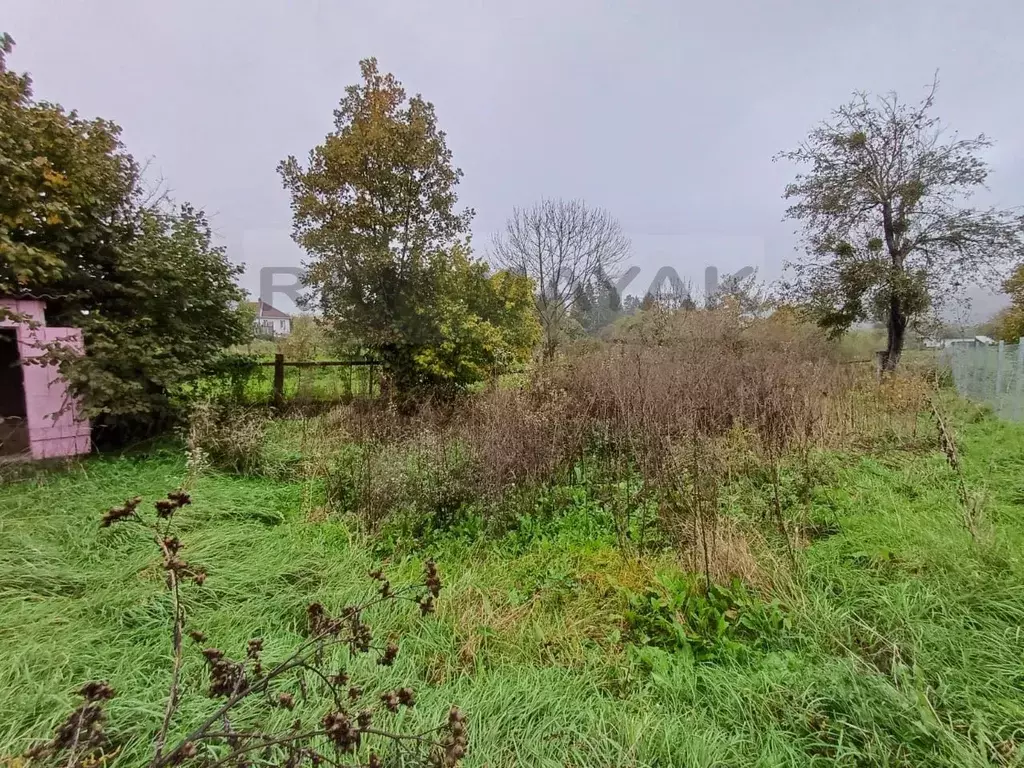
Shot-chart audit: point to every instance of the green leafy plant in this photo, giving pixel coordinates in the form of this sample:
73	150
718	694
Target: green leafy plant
340	718
680	616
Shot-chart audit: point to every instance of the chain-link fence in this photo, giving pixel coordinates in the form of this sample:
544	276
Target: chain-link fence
990	373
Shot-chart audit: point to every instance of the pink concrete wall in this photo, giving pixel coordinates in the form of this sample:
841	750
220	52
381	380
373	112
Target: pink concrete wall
54	425
32	308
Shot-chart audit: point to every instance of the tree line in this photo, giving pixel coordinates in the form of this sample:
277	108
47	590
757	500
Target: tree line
881	197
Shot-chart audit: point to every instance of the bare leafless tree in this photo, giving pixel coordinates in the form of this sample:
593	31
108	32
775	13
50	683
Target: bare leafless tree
562	245
741	290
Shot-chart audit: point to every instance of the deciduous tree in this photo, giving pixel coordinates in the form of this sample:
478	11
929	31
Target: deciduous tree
1009	323
565	247
64	183
375	207
156	299
886	225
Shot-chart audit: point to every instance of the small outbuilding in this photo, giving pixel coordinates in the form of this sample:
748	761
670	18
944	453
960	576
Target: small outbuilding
38	417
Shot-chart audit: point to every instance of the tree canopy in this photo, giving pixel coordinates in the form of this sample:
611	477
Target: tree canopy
375	208
64	182
158	317
1009	324
156	299
887	229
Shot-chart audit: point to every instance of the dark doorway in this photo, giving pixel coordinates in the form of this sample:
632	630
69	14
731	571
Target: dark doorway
13	426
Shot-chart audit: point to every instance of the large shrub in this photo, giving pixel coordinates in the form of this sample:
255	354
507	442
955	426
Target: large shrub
156	317
484	325
156	299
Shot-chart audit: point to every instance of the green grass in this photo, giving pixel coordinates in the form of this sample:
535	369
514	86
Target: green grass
901	643
323	384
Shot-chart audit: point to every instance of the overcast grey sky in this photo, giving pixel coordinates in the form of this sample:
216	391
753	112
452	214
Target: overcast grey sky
665	113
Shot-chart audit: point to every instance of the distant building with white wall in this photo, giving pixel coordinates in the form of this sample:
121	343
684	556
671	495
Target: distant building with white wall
972	341
270	321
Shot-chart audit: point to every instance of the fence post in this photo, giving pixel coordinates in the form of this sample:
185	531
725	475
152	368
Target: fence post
1000	351
1019	408
954	365
971	361
278	380
981	362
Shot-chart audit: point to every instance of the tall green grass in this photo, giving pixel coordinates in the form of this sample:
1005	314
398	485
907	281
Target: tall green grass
902	642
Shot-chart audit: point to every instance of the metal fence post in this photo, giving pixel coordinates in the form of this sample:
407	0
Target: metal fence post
977	371
1000	351
986	371
957	368
1019	409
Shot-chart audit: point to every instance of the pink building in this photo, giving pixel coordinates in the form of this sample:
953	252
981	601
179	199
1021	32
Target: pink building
38	418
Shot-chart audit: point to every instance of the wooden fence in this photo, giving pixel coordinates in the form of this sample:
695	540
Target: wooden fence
279	364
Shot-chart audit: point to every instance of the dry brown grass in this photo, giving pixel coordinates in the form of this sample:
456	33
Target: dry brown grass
868	415
633	409
677	407
227	437
738	553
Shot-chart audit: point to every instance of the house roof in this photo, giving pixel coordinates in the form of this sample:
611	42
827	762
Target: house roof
968	340
265	310
32	296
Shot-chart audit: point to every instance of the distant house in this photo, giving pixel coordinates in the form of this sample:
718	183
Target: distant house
973	341
270	321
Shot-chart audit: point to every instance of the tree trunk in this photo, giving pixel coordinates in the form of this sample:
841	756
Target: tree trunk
550	347
897	331
897	320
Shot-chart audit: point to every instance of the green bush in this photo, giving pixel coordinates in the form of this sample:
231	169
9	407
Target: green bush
228	437
421	485
155	298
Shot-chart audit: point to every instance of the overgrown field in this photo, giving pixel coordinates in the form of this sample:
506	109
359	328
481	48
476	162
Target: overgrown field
890	634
